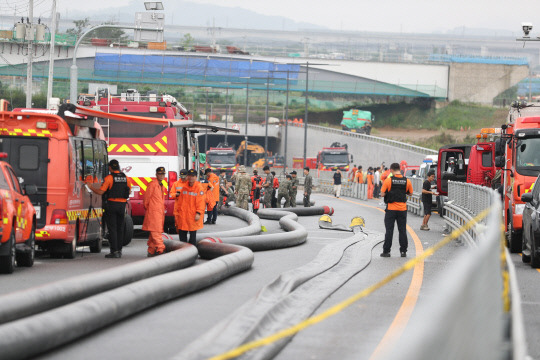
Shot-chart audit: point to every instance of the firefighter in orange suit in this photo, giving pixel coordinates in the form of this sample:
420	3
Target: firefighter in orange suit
213	179
189	214
176	187
154	217
209	194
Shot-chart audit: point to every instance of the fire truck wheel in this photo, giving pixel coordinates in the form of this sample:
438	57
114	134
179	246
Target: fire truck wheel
7	263
128	230
71	248
514	238
26	258
96	245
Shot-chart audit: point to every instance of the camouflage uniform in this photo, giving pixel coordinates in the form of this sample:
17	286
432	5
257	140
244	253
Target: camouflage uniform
243	187
308	185
222	193
268	190
284	191
293	192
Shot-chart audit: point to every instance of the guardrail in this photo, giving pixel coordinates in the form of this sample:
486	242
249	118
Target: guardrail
375	139
475	312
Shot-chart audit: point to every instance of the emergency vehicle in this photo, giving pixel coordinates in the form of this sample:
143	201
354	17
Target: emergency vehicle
58	154
334	157
221	157
18	226
141	147
518	154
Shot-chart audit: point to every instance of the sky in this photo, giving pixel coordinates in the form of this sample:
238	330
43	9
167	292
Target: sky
360	15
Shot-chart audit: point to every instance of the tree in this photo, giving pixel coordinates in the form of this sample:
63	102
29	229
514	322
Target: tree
81	26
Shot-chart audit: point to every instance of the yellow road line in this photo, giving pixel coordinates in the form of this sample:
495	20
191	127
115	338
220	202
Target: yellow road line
407	306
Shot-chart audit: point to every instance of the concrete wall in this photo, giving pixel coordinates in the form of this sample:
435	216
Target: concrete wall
365	153
480	83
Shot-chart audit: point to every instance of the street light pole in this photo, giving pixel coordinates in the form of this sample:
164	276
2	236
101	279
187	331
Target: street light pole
286	122
266	116
30	27
226	111
51	55
306	114
206	117
247	121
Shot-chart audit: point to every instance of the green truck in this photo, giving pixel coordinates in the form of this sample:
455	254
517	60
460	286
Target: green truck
358	121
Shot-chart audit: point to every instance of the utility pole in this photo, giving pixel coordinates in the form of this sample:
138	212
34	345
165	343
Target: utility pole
247	121
30	50
286	123
51	54
266	117
306	114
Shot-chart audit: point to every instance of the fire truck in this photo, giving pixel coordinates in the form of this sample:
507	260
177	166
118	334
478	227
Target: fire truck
518	154
334	157
141	147
222	157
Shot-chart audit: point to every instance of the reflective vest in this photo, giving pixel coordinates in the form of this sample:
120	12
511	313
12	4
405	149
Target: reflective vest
398	190
119	188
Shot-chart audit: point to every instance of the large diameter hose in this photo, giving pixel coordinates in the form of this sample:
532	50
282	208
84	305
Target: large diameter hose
30	336
253	228
35	300
307	211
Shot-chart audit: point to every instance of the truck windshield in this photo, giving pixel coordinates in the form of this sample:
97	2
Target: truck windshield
221	159
335	158
528	156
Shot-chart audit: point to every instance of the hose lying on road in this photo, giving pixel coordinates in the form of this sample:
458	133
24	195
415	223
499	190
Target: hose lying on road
295	233
33	335
253	228
35	300
289	299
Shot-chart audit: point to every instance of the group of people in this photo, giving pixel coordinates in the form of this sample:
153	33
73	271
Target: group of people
273	191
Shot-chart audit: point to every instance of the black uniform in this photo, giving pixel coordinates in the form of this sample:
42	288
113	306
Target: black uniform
427	199
115	210
397	193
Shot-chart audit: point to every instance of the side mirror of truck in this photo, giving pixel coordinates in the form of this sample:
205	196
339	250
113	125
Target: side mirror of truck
527	197
499	147
499	161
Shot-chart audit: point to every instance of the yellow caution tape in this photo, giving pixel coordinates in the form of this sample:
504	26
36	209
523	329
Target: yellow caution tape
348	302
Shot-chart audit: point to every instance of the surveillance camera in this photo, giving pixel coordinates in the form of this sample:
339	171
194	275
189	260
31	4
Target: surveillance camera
527	28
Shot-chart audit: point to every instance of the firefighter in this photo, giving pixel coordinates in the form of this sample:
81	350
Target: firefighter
243	186
294	189
275	187
189	214
268	186
177	187
154	217
370	183
213	179
256	181
116	188
359	176
308	185
284	192
208	196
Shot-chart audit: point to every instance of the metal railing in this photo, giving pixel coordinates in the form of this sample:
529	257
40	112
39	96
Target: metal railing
375	139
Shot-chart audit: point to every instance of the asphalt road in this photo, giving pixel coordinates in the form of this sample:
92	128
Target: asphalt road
358	332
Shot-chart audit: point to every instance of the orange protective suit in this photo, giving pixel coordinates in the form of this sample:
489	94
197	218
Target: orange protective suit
370	185
176	187
192	200
154	217
209	196
214	180
359	177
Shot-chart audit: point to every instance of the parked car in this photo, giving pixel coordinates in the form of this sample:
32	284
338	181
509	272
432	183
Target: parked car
18	226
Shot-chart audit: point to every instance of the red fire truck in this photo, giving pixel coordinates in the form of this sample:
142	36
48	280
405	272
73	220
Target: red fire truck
141	148
334	157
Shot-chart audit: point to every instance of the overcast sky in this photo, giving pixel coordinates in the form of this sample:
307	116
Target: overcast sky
363	15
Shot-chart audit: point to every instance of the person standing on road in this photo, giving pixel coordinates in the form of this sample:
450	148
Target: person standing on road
222	187
176	188
377	183
268	186
359	176
208	196
369	180
427	199
116	188
284	192
275	189
256	184
213	179
337	183
154	213
394	190
352	173
242	189
308	185
192	202
294	189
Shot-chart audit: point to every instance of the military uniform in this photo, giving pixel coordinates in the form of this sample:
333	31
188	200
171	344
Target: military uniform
243	187
268	190
293	192
308	185
284	191
222	192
